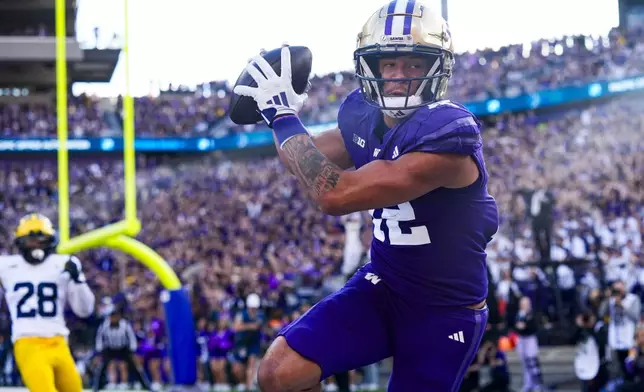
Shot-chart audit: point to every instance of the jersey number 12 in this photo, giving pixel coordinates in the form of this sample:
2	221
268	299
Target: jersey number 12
47	295
399	222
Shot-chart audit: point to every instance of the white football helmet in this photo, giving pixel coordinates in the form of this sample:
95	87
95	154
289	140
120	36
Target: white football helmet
404	27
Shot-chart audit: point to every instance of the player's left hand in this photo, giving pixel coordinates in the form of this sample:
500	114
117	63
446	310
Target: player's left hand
274	94
74	272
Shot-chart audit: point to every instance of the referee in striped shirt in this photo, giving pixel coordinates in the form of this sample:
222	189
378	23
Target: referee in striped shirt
116	341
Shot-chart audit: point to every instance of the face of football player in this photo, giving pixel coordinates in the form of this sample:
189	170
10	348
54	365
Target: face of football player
35	242
402	67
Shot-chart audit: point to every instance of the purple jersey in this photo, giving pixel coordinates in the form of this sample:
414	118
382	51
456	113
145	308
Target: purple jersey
143	346
431	249
220	342
157	327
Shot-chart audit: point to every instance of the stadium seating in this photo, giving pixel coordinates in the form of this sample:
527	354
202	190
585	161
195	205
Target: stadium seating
486	74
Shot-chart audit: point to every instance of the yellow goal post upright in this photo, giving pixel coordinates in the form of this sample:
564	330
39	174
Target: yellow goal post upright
180	324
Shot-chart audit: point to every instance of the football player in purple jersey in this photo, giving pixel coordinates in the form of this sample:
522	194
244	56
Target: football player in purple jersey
420	172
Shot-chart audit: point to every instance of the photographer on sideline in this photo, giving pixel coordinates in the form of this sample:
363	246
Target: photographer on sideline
624	310
591	361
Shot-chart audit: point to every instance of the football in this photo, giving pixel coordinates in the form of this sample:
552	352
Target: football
243	110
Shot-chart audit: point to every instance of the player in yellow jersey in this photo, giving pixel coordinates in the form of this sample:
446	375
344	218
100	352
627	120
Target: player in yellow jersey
38	284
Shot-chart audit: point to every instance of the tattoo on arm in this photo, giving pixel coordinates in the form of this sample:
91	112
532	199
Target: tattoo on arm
310	166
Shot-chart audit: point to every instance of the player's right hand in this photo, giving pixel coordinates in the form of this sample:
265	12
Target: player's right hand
274	93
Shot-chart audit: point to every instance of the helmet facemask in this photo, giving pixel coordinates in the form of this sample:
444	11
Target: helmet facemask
431	87
35	247
35	238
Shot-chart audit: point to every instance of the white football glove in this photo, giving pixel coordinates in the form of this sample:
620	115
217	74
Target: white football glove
274	94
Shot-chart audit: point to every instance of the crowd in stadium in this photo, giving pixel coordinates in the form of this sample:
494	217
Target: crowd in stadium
234	228
481	75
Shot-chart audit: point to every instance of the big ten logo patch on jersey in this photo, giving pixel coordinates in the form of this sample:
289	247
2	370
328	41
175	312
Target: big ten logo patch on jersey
373	278
358	140
36	299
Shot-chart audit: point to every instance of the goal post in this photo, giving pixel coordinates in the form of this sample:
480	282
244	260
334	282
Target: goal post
180	325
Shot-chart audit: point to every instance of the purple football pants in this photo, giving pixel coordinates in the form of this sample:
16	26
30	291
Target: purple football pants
365	322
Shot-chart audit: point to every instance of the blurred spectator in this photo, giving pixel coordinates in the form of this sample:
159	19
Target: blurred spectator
528	346
247	349
635	365
540	202
497	362
591	360
624	311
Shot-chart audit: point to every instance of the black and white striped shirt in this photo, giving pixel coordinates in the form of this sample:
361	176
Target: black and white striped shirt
116	337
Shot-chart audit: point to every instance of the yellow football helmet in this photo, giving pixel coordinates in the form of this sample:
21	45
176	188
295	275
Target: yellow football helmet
399	28
35	237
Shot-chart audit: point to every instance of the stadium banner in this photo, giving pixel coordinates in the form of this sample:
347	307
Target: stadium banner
264	137
109	144
554	97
